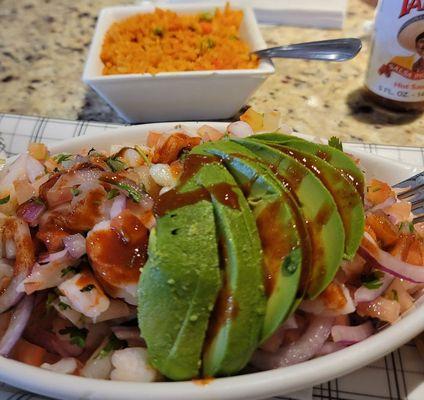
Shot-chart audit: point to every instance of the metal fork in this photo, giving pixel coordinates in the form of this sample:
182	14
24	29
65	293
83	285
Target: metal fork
413	191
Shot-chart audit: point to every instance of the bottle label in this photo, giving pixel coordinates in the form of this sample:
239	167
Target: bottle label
396	65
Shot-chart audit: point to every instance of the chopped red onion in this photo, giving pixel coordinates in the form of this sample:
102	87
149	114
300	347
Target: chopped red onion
14	171
290	323
384	261
309	344
119	204
240	128
30	211
126	332
55	256
75	245
66	365
348	335
34	169
364	294
10	249
12	295
18	322
330	347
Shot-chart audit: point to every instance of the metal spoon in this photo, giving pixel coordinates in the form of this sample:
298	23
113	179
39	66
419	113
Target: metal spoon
325	50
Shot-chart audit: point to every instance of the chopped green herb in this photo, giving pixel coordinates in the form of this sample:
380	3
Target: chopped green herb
372	280
158	31
335	142
75	191
112	193
51	297
87	288
207	44
113	344
5	200
376	189
78	336
115	164
132	193
142	154
38	201
206	17
63	306
67	270
60	158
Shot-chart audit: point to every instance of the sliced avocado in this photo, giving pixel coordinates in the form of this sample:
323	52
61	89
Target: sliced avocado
237	319
339	160
178	288
348	201
281	226
324	222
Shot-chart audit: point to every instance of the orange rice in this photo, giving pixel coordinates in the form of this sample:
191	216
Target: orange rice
164	41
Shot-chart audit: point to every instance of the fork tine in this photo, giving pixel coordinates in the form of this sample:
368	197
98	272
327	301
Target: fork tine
417	203
411	185
418	219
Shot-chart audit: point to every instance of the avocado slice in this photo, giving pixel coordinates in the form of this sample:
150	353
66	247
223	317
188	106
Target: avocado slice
178	288
348	201
339	160
237	319
281	226
325	225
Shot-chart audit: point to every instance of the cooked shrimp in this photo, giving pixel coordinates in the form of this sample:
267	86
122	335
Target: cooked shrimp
16	244
84	294
170	150
117	249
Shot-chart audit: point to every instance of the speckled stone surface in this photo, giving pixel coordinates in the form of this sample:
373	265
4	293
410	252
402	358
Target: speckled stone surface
43	46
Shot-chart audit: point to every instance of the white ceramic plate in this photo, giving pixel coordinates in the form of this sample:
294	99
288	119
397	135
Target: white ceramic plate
250	386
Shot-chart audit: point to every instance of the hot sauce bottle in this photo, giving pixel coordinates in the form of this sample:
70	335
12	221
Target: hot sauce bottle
395	76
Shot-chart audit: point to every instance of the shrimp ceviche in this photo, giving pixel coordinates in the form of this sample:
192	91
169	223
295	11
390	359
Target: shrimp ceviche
195	254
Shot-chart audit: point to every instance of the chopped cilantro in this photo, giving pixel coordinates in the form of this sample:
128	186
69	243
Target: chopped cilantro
372	280
38	201
87	288
67	270
51	297
207	44
5	200
75	191
78	336
132	193
158	31
60	158
63	306
335	142
142	154
206	17
112	193
115	164
113	344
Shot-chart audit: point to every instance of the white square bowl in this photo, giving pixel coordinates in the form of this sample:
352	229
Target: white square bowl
170	96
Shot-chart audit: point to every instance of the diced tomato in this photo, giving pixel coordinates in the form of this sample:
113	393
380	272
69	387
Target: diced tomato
385	230
38	151
415	251
378	192
397	291
333	297
254	119
206	27
381	308
153	138
28	353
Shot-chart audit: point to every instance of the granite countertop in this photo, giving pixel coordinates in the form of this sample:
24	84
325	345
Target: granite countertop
43	45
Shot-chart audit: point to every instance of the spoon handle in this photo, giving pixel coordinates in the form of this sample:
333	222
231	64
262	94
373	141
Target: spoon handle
326	50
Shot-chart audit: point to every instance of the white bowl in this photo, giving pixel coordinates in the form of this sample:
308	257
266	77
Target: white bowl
250	386
171	96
